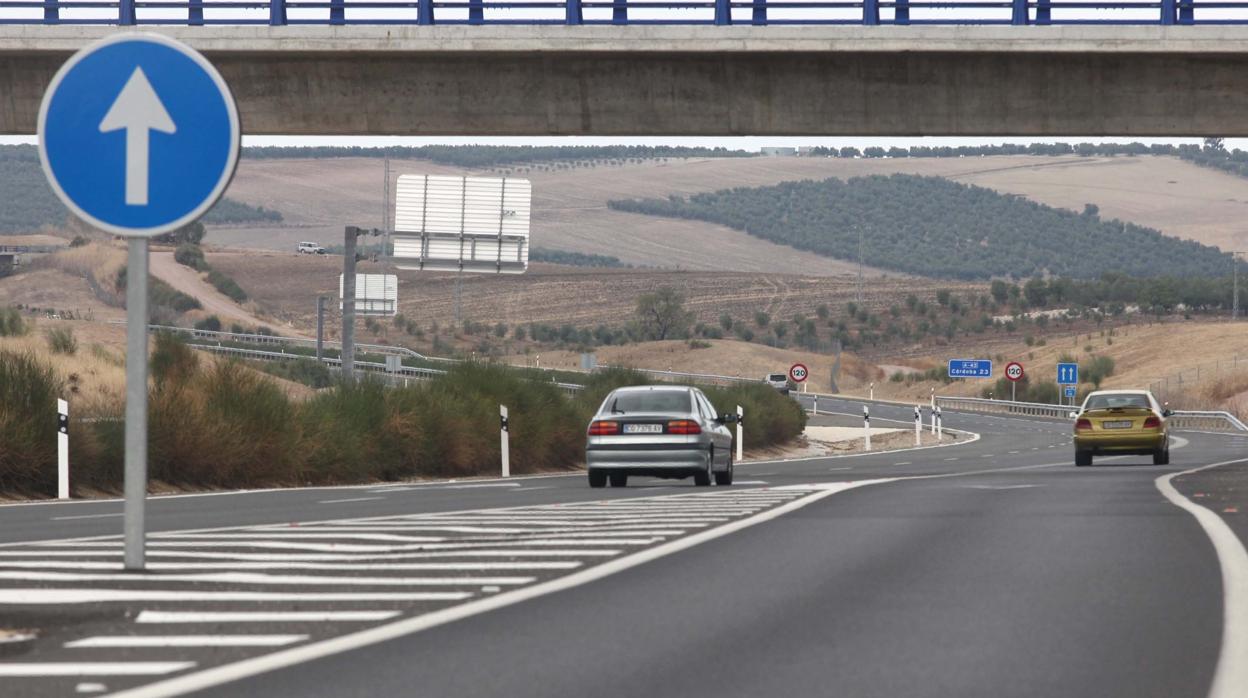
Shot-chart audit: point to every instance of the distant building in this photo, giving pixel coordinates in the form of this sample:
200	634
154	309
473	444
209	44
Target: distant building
777	152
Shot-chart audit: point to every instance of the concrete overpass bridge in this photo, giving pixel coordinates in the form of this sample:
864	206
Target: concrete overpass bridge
357	77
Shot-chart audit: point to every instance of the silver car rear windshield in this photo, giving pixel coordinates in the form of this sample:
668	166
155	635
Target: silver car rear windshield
1109	402
650	401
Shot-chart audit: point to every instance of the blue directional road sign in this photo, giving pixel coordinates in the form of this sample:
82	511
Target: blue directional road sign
1068	374
138	134
970	368
1070	391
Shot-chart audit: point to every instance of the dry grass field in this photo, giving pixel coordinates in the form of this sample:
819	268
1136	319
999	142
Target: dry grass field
319	197
1143	353
285	286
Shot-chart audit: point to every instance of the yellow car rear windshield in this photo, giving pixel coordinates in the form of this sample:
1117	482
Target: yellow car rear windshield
1109	402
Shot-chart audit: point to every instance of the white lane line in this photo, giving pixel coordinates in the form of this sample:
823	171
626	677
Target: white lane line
354	548
392	566
322	557
85	516
185	641
88	687
297	655
255	578
833	470
43	669
534	489
263	616
65	596
950	459
310	534
1013	453
351	499
1231	675
753	482
468	487
904	462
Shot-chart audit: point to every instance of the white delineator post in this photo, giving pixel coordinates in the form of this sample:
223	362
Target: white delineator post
932	407
866	427
504	430
62	449
814	408
940	426
872	393
740	434
918	426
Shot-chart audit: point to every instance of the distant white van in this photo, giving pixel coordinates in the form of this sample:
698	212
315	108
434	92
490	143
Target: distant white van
310	248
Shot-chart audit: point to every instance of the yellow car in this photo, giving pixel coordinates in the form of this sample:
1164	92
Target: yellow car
1122	422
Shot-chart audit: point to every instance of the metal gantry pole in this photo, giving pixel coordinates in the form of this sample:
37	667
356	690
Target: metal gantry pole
136	405
348	302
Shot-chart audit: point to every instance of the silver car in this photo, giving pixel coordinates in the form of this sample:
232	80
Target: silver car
664	431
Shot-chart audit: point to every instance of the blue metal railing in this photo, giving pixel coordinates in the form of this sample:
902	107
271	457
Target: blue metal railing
618	12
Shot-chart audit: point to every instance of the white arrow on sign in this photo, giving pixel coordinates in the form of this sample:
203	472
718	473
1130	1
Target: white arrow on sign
138	110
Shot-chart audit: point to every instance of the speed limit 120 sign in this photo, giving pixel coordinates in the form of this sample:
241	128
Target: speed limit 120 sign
798	373
1014	371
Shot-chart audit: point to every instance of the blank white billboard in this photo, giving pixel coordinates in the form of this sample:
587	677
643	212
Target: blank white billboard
473	224
375	294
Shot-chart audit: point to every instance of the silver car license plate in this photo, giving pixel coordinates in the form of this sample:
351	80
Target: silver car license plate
643	428
1116	425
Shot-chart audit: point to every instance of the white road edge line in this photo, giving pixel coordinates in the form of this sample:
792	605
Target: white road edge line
297	655
349	499
1231	674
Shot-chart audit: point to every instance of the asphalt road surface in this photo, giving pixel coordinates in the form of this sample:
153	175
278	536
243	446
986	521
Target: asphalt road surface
991	567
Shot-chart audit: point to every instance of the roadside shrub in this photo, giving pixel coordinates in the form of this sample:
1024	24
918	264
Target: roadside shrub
227	286
191	256
309	372
29	389
770	418
11	323
212	323
61	340
1096	369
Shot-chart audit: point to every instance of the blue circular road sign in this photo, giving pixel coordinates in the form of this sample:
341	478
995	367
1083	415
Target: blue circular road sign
138	134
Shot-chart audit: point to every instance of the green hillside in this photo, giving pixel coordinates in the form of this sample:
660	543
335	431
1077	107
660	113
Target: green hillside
933	226
28	202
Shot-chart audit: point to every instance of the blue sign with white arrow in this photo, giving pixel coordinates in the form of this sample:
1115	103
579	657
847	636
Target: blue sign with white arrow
138	134
1068	374
970	368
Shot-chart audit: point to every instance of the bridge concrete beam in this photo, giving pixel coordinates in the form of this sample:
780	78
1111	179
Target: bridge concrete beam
708	81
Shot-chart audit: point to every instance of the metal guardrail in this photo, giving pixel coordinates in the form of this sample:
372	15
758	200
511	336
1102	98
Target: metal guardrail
1198	420
371	368
1022	409
624	12
678	376
268	339
1179	419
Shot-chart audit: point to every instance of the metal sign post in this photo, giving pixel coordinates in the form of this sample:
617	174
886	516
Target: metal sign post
138	136
347	357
